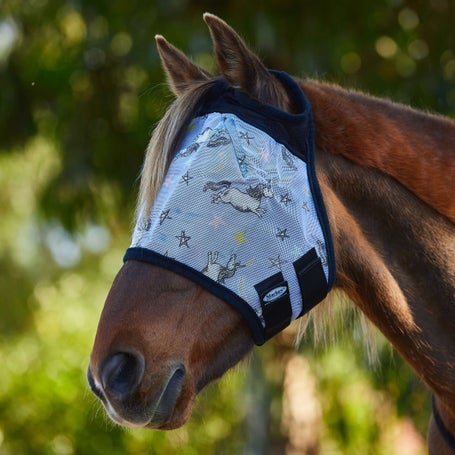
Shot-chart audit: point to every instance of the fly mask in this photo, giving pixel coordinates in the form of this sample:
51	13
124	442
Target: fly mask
240	211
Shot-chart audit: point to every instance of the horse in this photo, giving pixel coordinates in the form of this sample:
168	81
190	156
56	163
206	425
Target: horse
386	174
243	201
218	272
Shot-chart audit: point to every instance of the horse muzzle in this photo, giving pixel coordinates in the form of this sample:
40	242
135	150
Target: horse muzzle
131	398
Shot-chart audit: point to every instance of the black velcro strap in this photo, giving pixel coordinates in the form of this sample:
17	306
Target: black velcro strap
276	304
312	280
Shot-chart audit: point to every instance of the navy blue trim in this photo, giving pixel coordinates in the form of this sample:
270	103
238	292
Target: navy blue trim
152	257
286	128
320	206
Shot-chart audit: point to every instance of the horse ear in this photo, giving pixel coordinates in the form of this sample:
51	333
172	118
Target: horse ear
240	66
181	71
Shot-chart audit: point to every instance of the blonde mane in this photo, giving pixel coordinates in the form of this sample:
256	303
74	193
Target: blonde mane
164	142
334	317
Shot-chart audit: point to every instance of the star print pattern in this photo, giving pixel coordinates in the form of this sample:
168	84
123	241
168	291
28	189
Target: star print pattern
277	262
186	178
240	237
246	137
285	199
165	216
183	239
230	205
282	234
217	222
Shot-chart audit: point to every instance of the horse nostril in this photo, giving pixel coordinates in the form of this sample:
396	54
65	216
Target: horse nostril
91	382
121	373
175	382
170	394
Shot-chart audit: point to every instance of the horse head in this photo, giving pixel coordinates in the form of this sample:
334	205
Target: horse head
388	192
161	338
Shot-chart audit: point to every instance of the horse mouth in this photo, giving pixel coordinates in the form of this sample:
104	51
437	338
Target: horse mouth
165	411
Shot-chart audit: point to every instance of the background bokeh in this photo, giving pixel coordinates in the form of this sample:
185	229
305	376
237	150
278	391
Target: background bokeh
80	90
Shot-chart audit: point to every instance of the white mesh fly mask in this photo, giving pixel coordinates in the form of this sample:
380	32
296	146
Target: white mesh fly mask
240	211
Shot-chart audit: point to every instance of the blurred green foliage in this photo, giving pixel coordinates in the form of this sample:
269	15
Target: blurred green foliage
81	88
86	74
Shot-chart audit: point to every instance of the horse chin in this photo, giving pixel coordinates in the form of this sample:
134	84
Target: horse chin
169	425
154	421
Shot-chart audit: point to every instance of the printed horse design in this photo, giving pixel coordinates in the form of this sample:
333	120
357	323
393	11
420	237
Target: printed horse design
218	272
212	138
218	138
249	201
386	176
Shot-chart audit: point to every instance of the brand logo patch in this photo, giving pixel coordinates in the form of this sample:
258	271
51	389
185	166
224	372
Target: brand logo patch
275	294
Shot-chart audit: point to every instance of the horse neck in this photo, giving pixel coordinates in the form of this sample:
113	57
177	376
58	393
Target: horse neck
395	253
415	148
